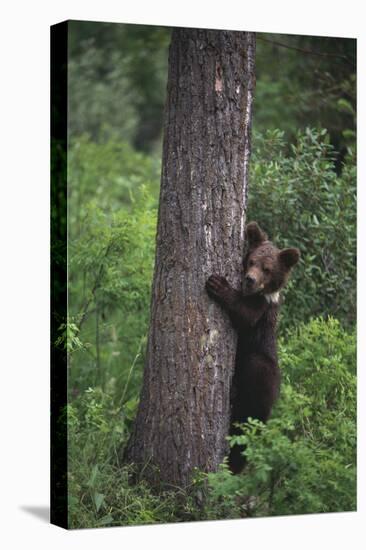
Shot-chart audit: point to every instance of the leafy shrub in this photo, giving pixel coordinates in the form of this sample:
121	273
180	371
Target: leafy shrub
100	492
99	484
108	174
304	459
295	194
112	220
297	197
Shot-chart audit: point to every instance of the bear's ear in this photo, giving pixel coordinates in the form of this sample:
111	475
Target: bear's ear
289	257
254	235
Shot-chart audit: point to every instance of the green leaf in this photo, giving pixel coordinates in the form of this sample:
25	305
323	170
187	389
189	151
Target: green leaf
98	500
93	476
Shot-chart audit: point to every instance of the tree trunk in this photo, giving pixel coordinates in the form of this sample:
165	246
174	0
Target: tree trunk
183	416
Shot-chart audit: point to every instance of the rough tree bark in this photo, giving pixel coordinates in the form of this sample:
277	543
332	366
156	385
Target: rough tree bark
183	415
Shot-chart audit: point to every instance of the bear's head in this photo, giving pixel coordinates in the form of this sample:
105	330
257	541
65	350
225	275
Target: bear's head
266	268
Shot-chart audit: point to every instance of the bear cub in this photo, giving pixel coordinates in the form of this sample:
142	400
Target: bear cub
253	311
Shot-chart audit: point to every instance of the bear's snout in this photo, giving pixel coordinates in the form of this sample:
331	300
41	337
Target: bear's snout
249	281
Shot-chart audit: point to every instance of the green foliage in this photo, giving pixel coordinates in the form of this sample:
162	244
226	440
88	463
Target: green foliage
100	486
116	78
304	459
109	174
68	338
297	197
297	88
112	220
100	492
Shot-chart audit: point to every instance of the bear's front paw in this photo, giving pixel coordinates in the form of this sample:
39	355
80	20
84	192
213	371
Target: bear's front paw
217	286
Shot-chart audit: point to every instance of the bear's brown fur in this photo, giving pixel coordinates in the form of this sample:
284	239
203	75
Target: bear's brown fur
253	311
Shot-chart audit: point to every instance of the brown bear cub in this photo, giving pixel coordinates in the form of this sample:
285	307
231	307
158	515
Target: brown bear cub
253	311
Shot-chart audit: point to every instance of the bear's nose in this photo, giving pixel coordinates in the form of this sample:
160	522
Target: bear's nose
249	280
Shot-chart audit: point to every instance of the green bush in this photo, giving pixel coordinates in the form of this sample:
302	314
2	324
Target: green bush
112	220
108	174
100	488
296	195
304	459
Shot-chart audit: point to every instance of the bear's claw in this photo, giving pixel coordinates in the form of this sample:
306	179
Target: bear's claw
216	285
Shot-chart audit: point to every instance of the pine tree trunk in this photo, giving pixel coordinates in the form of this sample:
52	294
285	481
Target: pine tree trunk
183	415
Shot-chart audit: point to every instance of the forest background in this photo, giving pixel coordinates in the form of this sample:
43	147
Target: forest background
302	191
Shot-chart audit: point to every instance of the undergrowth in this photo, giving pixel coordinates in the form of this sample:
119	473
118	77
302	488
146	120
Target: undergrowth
302	461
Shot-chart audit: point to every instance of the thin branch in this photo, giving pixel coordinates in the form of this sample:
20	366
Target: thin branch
97	349
97	281
308	52
131	369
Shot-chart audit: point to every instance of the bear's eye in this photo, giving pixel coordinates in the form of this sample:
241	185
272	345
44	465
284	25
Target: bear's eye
250	263
266	270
